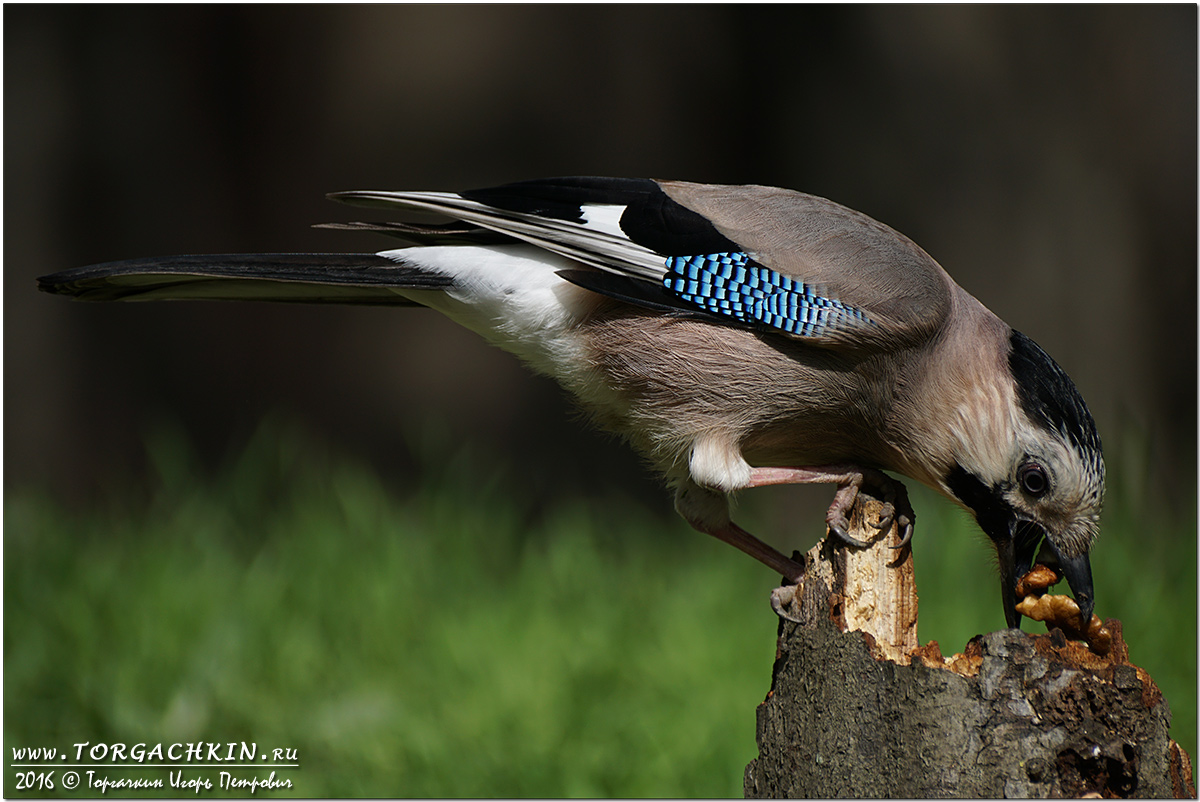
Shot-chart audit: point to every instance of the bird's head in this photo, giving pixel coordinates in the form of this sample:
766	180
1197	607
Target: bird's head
1045	485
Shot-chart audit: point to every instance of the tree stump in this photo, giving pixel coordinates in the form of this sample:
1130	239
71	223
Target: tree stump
858	709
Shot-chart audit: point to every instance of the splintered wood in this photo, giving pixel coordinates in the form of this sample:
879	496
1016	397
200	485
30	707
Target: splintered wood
875	589
872	591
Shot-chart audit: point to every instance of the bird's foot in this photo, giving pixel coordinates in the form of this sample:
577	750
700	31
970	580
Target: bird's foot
782	600
850	480
896	507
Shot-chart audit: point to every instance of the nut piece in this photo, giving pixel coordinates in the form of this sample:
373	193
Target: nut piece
1098	638
1059	611
1037	581
1063	612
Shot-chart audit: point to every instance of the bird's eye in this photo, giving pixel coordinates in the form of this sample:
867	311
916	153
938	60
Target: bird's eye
1033	479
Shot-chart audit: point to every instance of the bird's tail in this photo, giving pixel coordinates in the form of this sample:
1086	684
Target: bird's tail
346	278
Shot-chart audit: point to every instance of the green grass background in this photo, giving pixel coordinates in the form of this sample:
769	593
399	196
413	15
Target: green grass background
457	638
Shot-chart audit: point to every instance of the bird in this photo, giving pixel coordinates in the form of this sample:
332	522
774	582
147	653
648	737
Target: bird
736	336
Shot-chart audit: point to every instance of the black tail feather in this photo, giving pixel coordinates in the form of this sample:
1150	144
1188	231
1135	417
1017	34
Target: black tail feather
303	277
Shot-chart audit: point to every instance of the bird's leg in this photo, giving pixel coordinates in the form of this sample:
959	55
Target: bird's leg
850	479
739	538
708	512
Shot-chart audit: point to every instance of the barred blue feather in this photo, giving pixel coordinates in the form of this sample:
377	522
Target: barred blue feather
733	285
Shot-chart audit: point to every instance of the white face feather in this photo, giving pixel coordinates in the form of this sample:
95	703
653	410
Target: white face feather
1003	441
1070	510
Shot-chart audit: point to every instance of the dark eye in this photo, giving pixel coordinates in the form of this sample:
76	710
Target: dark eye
1033	479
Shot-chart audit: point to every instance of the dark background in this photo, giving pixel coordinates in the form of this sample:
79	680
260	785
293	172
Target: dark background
1046	156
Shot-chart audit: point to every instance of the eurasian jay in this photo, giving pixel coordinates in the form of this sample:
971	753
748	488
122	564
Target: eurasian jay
737	336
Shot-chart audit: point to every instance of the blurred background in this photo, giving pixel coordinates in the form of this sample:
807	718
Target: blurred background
1044	155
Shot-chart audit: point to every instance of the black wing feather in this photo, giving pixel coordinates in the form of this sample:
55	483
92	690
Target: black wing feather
651	219
431	234
562	198
635	291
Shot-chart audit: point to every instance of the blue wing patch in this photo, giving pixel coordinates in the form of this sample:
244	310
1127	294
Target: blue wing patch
732	285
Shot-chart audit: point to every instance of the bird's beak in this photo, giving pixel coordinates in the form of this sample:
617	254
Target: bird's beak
1078	571
1017	549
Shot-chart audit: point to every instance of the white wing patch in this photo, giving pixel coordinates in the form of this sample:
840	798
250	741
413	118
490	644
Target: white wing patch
604	218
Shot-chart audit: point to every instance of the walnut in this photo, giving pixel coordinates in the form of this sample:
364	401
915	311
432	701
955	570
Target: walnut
1059	611
1099	639
1037	581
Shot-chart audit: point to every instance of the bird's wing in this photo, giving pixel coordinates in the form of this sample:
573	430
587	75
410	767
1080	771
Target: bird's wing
769	259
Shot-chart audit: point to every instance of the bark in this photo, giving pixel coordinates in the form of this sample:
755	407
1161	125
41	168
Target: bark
857	709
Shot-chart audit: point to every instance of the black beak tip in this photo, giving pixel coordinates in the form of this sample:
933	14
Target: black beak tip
1078	573
1086	605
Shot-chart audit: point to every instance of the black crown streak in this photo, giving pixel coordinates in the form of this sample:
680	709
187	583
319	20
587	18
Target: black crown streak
1048	395
651	219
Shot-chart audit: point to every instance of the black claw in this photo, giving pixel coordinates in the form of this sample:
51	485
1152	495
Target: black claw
844	536
885	521
780	605
908	528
